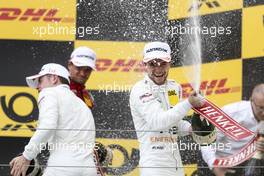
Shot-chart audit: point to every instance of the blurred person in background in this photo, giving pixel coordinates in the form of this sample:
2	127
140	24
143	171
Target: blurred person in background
81	65
248	114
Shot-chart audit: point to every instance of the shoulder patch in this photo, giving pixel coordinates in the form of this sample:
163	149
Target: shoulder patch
171	92
173	97
146	95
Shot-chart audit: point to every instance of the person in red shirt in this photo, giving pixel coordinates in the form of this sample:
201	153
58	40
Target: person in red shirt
81	65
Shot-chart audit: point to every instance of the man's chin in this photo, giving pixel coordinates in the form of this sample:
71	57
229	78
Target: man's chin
160	81
81	81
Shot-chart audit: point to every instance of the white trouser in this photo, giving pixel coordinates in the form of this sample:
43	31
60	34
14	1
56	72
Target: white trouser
69	171
65	164
156	163
161	172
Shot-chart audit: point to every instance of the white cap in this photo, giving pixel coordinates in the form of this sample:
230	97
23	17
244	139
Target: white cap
83	56
157	50
50	68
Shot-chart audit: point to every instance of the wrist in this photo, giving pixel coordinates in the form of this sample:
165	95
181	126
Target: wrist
190	130
25	158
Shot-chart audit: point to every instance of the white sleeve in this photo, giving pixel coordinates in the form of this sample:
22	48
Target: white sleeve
152	112
48	117
208	155
184	127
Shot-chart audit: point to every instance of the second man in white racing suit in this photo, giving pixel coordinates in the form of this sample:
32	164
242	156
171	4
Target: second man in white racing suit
157	112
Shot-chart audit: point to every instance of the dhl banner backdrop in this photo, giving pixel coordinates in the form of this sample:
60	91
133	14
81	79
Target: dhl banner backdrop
33	33
182	9
253	32
40	20
220	82
126	152
121	60
19	111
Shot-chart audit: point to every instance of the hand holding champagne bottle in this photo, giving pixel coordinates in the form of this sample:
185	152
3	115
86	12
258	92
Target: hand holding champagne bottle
256	164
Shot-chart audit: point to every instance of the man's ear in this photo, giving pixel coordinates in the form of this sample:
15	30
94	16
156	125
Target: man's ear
69	64
55	79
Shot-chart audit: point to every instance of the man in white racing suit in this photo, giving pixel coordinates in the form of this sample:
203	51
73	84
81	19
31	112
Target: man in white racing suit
65	123
248	114
157	114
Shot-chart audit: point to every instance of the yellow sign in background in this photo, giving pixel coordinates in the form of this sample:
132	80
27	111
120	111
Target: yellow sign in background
182	8
22	106
127	146
253	32
223	78
13	26
112	76
111	55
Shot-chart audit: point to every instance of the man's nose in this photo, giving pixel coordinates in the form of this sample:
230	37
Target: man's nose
158	68
82	73
39	89
38	86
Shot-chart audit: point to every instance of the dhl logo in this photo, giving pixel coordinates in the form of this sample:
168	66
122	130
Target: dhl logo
121	65
215	86
32	14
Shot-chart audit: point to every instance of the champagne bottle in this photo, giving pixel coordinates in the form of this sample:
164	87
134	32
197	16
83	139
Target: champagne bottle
203	132
255	165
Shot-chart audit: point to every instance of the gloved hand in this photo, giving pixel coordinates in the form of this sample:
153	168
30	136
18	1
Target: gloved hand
260	141
196	100
203	132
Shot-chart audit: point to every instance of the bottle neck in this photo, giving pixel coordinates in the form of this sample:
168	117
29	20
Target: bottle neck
258	155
